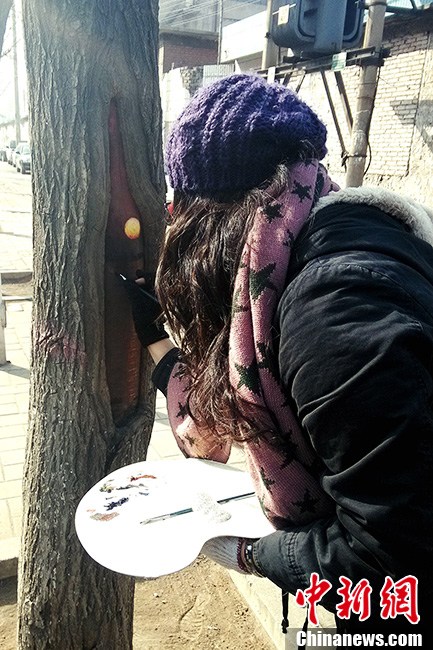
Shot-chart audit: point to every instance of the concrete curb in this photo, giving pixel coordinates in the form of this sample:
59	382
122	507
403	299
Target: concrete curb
16	276
17	298
264	599
9	557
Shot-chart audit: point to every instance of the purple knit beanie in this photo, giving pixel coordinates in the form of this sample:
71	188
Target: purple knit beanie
234	133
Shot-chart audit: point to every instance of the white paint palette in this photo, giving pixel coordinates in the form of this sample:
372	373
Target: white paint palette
152	518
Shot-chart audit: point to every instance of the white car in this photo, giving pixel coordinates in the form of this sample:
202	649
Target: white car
17	151
10	148
23	159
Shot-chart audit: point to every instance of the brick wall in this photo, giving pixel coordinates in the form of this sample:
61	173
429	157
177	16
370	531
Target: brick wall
177	51
401	135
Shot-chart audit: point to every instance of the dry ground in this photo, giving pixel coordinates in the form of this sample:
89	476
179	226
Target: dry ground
196	609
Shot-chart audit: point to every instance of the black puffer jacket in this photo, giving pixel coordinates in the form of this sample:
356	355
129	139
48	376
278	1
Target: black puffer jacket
356	357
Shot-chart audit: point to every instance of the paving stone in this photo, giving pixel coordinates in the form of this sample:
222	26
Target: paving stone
7	398
165	444
4	378
160	414
9	549
10	489
6	530
12	457
22	400
15	506
161	425
12	472
13	430
18	360
152	453
19	379
8	409
9	444
22	389
16	526
12	420
18	371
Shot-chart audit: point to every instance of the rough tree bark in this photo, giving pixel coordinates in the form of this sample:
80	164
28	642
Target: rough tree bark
97	162
5	6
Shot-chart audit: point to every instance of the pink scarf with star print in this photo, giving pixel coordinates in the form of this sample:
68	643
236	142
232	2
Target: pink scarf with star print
281	461
283	470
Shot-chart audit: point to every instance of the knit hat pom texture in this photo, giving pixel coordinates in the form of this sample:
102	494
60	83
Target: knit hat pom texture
235	132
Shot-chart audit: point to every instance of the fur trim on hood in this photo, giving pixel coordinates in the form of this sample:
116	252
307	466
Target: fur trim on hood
417	217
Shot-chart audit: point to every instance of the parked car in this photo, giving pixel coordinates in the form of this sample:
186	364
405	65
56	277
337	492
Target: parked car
23	159
10	148
17	151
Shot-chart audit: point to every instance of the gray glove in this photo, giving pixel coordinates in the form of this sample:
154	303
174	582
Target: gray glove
233	553
227	552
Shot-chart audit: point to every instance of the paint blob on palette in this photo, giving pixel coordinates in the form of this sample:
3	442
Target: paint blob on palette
118	491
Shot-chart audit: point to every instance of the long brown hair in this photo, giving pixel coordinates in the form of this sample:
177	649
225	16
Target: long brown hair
196	275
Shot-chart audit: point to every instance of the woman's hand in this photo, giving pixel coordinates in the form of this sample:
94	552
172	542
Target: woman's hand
147	315
159	349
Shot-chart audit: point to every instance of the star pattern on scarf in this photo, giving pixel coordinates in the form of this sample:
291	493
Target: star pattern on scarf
286	448
272	211
237	308
267	482
308	504
183	410
288	452
181	374
290	238
190	439
283	444
268	359
259	280
249	377
320	182
302	191
286	402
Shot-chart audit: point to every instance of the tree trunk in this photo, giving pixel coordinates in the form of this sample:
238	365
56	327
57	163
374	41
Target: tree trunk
95	130
5	6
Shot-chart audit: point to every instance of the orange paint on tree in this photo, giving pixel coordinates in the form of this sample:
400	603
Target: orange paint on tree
132	228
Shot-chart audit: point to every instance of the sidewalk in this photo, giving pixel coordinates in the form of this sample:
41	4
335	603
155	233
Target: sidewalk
15	257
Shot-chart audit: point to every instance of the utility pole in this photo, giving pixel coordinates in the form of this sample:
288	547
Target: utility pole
220	28
366	96
3	359
16	88
270	50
